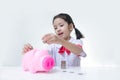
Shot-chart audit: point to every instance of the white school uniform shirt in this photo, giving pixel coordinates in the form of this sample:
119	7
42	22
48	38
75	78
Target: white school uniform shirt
71	59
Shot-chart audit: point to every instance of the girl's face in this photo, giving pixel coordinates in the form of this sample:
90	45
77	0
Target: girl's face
62	29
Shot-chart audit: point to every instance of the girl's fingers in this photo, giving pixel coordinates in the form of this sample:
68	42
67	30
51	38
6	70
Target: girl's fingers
46	38
51	39
27	47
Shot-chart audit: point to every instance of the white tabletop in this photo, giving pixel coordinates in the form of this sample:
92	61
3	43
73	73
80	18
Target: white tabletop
95	73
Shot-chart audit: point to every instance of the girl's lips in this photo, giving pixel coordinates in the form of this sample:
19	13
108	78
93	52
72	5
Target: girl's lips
60	33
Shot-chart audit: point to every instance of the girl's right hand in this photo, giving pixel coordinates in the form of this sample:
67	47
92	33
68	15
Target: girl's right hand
27	47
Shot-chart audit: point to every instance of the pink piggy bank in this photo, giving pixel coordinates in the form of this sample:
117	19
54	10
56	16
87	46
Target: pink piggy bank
37	61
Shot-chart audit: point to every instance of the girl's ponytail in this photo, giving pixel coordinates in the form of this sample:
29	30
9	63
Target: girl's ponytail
78	34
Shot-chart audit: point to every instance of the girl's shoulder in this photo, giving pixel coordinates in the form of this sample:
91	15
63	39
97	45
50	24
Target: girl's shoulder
76	41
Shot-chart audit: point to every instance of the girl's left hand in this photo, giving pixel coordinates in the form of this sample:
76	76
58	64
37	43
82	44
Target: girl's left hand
51	38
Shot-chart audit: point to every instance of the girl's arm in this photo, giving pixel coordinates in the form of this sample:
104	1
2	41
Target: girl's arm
52	38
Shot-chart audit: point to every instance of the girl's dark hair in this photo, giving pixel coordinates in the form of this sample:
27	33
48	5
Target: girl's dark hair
69	20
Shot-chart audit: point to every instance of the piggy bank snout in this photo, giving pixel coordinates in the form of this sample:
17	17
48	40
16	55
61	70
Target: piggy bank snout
48	63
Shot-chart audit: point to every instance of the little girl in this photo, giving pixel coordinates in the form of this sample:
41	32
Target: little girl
64	49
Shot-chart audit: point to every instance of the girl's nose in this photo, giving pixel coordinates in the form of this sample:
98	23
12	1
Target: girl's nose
58	30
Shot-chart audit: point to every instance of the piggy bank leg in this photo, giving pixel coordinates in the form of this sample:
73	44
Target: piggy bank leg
33	70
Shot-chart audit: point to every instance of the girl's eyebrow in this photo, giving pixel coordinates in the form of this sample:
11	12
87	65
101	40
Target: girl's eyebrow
61	23
58	24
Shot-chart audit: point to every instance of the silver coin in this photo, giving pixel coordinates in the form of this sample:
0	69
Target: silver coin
80	73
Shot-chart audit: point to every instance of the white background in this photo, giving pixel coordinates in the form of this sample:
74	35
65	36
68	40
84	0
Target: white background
26	21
